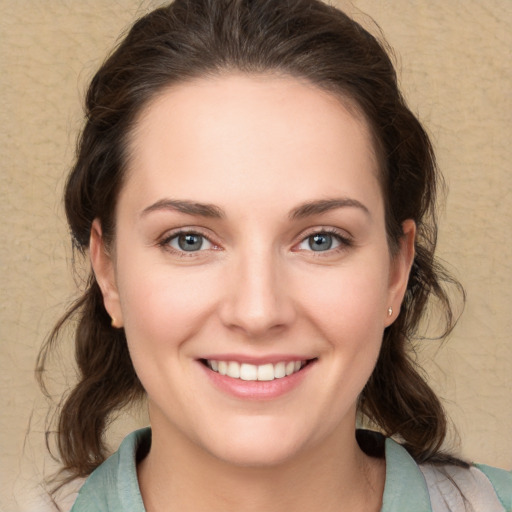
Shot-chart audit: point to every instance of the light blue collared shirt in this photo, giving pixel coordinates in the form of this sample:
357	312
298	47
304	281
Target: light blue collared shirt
113	486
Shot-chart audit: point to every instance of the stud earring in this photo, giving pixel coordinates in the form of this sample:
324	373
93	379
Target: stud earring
390	310
113	323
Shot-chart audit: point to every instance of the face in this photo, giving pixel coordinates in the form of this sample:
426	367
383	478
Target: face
251	270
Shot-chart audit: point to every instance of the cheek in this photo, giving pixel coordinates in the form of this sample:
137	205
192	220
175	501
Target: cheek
351	300
348	310
163	308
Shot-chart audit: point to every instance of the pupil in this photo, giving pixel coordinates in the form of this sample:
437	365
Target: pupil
320	242
190	242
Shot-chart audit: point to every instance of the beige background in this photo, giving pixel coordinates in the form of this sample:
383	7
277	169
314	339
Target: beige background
454	57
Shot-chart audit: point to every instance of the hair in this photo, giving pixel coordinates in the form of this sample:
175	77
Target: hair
307	39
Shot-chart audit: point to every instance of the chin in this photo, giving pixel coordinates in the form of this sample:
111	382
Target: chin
257	455
256	447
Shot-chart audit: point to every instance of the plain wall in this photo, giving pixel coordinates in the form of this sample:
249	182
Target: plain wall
454	63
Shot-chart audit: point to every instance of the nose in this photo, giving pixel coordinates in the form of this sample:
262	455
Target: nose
258	299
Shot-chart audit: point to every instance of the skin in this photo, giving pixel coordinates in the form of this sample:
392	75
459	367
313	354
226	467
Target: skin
258	148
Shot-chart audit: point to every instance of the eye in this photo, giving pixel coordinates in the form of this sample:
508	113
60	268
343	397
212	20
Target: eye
188	242
320	242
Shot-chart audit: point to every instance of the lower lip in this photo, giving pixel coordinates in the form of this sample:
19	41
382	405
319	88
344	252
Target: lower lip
259	389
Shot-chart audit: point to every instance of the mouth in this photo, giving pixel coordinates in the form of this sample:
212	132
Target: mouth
253	372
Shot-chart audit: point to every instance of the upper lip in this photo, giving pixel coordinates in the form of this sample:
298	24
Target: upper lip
257	360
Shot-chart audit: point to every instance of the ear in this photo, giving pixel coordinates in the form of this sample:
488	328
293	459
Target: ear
400	269
103	267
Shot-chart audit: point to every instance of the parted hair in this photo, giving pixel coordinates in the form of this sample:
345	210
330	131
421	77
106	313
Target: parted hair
312	41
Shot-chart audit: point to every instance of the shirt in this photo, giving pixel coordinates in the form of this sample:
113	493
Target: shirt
409	487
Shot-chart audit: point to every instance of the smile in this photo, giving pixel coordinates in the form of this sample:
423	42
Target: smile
252	372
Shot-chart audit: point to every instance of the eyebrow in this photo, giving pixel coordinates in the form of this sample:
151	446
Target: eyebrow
304	210
184	206
324	205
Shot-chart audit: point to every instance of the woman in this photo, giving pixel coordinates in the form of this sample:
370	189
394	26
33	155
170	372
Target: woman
258	206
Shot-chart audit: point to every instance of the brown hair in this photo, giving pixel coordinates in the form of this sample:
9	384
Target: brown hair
301	38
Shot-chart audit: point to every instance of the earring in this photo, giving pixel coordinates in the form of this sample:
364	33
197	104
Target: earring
390	310
113	323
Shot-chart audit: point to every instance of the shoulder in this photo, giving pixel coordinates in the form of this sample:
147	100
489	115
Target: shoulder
443	488
113	485
485	488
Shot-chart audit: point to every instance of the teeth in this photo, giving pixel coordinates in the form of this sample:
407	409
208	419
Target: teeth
252	372
233	370
279	370
248	372
223	367
266	372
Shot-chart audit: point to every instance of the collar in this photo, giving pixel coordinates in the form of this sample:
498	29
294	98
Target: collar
114	485
405	487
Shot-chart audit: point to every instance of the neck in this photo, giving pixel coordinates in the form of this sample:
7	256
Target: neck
332	477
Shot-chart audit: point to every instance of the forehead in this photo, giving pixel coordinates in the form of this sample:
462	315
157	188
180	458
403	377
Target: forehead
252	134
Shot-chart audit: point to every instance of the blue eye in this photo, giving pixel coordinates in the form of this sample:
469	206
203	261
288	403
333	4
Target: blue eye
320	242
189	242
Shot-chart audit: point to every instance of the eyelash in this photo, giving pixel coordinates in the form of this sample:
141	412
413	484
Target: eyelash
345	242
165	242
